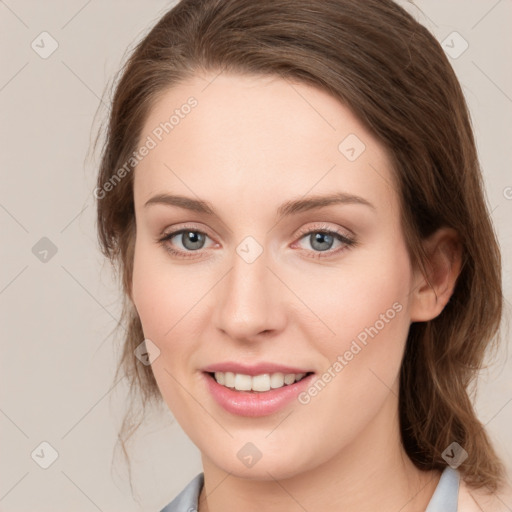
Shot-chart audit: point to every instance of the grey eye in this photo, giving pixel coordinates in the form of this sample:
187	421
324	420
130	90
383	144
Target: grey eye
191	240
321	241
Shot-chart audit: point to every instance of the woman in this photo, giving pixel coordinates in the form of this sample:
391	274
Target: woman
291	193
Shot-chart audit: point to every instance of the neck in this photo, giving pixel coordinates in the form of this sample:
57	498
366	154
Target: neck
373	472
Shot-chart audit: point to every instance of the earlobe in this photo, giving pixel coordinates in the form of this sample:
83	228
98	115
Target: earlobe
431	293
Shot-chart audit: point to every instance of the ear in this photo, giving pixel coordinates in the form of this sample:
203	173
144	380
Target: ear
431	293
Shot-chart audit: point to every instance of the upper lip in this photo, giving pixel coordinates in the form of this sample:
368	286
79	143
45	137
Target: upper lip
254	369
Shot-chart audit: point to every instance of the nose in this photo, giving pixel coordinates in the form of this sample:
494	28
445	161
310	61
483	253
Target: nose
249	301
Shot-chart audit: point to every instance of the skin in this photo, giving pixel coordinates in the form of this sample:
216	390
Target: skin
251	144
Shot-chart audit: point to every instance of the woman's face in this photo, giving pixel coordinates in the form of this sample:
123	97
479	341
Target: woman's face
265	279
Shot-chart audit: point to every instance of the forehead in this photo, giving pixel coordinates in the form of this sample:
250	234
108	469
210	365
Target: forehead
246	133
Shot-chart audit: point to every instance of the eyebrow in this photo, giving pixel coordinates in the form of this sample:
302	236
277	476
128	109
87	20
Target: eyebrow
288	208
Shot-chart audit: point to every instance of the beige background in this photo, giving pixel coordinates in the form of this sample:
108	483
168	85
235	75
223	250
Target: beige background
58	315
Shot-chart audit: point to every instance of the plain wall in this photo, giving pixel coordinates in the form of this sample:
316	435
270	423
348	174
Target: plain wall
58	314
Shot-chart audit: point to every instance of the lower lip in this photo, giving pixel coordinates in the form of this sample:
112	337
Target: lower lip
245	403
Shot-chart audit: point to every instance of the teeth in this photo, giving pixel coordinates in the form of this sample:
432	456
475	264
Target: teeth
259	383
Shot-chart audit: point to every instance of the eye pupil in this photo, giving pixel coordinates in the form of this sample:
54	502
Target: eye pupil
321	239
192	240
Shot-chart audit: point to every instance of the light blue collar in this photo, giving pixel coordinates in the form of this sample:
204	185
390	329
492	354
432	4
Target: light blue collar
446	495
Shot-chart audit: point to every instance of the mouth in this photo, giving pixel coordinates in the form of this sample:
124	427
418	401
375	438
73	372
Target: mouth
256	395
255	384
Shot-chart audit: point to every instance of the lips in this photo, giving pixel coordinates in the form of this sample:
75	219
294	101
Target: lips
254	404
255	369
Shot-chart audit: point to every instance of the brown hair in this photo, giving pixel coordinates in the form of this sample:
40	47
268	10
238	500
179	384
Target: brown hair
376	59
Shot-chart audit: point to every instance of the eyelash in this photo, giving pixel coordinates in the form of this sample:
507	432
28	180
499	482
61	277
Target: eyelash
347	241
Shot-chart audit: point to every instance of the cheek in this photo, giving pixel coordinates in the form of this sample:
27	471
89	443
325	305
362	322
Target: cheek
161	296
168	301
368	312
365	298
162	293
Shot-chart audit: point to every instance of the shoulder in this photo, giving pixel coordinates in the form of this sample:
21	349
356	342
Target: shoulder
479	500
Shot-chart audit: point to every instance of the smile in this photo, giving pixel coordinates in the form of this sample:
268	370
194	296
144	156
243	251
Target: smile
257	383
